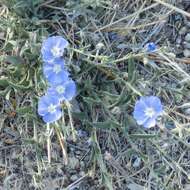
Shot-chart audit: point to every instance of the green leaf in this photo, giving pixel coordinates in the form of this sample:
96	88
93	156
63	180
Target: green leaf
91	100
24	110
4	82
29	85
13	59
109	124
143	136
131	70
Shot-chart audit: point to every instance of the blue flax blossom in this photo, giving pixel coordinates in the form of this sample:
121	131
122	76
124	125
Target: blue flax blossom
63	91
150	47
55	72
146	111
49	108
53	47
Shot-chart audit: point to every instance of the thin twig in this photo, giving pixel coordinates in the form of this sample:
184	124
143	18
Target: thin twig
48	143
173	8
127	17
71	121
74	184
62	144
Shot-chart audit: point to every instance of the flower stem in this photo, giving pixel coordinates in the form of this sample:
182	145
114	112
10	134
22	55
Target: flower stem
62	143
48	143
71	121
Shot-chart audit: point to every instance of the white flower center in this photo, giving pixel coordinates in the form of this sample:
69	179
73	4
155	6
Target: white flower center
51	108
57	69
60	89
56	51
149	112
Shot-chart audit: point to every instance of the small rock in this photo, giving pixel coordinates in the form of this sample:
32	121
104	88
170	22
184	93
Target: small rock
187	45
186	53
187	111
73	163
137	162
187	23
178	40
122	46
187	37
82	133
99	46
82	173
74	178
82	164
116	110
183	30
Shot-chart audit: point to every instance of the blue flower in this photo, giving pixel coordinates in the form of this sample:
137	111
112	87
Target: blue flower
64	91
151	47
49	108
55	72
146	111
53	47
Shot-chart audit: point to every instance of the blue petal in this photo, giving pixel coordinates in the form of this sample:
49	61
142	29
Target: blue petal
151	122
49	43
48	66
52	77
47	69
55	79
139	113
47	56
151	47
59	61
154	102
52	91
46	46
62	42
42	108
44	102
50	118
70	90
42	105
53	100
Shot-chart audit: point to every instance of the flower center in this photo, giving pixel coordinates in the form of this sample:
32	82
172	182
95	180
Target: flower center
149	112
56	51
57	69
60	89
51	108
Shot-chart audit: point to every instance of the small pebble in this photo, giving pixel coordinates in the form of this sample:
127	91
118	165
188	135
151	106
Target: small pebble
137	162
73	163
183	30
186	53
78	152
82	173
116	110
82	164
178	40
187	23
187	45
74	178
187	111
187	37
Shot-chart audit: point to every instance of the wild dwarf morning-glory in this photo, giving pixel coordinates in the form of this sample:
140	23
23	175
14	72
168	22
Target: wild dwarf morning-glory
63	91
146	111
53	47
151	47
49	108
55	72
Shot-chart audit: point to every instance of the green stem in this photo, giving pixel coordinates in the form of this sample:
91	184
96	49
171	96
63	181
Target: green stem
71	121
48	143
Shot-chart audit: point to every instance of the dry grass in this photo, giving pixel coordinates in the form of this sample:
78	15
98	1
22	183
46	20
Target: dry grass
108	61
